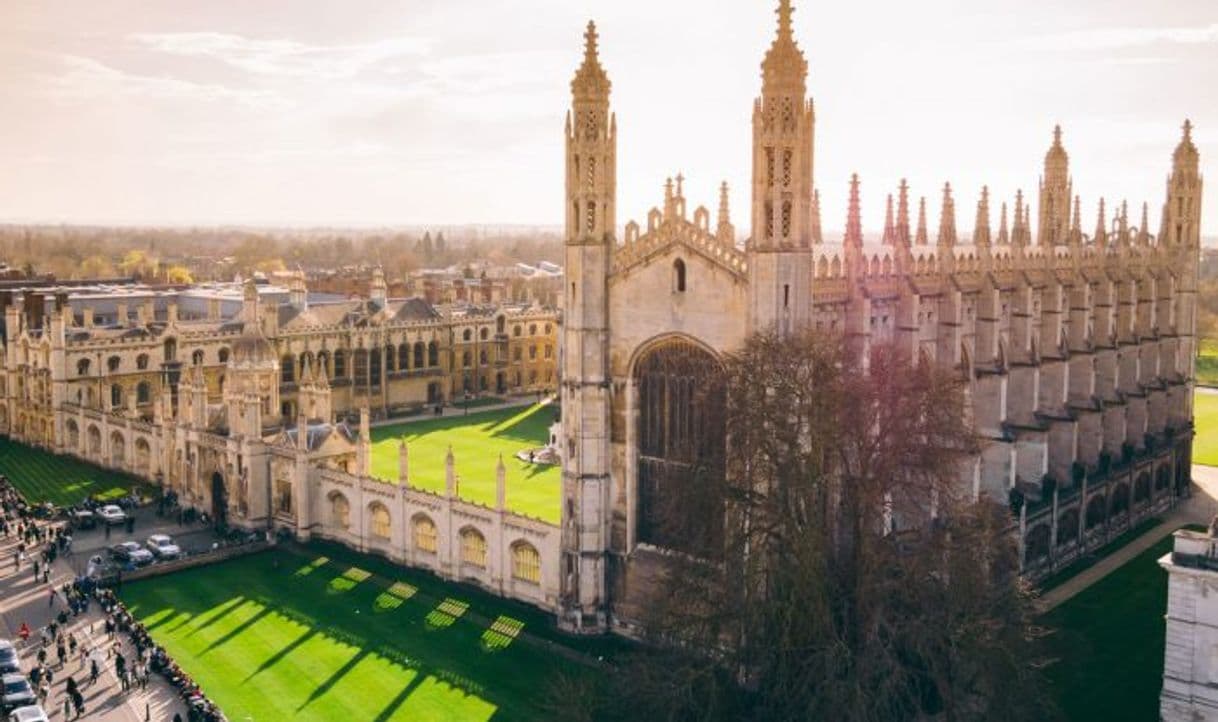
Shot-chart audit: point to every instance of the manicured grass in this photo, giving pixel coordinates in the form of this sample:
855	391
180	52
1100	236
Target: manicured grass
1205	417
332	635
1207	362
477	440
1108	643
62	480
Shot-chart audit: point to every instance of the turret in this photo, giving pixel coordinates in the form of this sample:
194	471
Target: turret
725	231
1055	194
981	229
783	231
921	238
947	225
1182	211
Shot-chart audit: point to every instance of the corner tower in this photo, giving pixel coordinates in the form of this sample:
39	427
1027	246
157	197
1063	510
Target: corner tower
1055	190
780	252
590	198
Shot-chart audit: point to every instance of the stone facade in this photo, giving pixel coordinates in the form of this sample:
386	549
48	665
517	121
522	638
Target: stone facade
1078	349
1190	661
240	407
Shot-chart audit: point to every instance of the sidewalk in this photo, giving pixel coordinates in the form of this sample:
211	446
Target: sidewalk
1200	508
24	600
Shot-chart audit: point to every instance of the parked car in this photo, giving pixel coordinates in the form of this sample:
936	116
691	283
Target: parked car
30	713
163	547
15	691
83	519
132	552
8	658
112	514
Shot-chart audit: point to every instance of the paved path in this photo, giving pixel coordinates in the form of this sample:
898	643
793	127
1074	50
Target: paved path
24	600
1200	508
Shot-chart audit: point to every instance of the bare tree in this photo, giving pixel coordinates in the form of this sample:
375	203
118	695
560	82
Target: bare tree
857	578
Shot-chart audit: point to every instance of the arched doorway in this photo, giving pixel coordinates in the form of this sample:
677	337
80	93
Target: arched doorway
219	500
680	447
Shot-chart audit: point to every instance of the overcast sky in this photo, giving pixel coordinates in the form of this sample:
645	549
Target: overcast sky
421	111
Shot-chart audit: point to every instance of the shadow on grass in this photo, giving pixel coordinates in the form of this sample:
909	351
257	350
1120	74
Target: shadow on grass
333	679
401	697
238	630
279	656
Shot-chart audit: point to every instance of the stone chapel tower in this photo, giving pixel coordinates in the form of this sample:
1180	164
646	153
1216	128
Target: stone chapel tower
1055	189
1181	233
591	192
780	252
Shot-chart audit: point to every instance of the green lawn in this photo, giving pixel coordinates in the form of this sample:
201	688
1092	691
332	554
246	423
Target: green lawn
1108	644
1205	417
477	440
331	635
62	480
1207	362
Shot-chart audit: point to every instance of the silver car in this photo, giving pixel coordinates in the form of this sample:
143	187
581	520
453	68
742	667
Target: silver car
163	547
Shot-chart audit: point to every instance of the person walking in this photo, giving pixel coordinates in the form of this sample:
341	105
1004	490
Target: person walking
67	706
51	600
24	632
36	570
93	671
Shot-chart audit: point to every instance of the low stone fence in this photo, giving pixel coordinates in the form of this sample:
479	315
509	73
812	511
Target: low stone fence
196	560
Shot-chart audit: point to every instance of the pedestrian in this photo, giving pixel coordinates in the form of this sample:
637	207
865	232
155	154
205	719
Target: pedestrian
93	671
67	706
72	643
24	632
51	601
35	571
78	701
61	653
46	574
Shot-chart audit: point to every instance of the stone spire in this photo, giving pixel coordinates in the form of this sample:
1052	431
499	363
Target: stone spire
1055	193
1182	211
816	233
1076	225
1101	232
890	230
726	232
981	229
591	81
1020	230
1004	237
902	228
784	65
921	238
854	225
670	200
1186	157
947	219
1123	225
1143	238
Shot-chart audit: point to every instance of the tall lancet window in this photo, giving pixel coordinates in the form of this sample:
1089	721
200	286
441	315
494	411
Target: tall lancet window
678	276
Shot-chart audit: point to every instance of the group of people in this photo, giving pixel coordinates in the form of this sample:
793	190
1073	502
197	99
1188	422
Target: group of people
154	658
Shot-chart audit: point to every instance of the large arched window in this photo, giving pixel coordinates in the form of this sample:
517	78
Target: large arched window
141	362
678	276
380	520
433	354
222	354
473	547
196	357
419	351
113	363
467	335
287	369
143	392
340	364
425	538
340	511
82	367
680	447
526	562
116	395
404	357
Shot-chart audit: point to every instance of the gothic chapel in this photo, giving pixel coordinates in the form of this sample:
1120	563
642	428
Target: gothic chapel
1077	349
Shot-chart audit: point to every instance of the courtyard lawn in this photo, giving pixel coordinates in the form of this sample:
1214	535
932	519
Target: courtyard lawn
1205	419
325	634
1207	362
477	440
1108	644
41	476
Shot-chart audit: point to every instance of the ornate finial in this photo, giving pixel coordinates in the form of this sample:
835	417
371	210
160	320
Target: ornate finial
724	214
889	228
921	237
903	213
591	81
854	225
947	218
784	19
981	230
1188	130
816	233
1101	230
1003	235
680	184
1144	228
590	37
1057	135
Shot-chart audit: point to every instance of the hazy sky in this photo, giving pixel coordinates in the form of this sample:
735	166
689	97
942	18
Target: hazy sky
422	111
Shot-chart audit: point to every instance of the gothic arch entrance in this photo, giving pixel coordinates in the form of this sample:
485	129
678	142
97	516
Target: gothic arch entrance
219	499
681	440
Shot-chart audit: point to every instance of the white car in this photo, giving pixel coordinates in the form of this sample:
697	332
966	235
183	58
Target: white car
112	514
31	713
163	547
